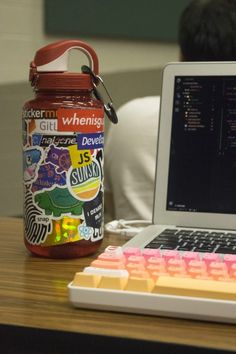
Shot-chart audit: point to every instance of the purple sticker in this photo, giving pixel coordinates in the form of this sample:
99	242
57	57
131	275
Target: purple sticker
90	141
59	157
47	177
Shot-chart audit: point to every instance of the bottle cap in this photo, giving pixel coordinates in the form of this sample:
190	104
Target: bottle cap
49	69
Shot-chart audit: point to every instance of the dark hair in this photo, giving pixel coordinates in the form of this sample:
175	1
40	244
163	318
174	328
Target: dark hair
207	31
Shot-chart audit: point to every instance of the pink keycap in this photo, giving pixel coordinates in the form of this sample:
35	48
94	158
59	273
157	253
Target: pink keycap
217	266
97	263
176	266
197	264
156	268
196	272
190	256
168	254
134	266
232	269
211	257
149	252
174	270
156	260
111	257
176	262
132	251
136	259
230	259
196	268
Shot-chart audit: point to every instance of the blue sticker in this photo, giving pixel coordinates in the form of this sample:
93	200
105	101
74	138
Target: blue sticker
36	139
90	141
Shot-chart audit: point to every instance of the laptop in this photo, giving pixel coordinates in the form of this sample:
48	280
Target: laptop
195	183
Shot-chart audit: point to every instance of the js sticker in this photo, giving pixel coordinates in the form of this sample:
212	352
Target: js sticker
79	158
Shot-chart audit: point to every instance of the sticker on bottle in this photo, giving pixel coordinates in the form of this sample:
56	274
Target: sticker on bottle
63	175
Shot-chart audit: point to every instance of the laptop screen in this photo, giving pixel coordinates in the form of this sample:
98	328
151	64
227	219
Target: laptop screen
202	165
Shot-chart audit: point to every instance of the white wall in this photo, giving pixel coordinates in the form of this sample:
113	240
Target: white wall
21	34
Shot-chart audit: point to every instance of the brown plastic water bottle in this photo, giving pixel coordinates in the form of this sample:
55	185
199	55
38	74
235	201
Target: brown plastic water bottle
63	136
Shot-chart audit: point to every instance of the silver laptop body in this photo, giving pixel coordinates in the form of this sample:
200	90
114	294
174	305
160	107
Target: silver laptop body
195	182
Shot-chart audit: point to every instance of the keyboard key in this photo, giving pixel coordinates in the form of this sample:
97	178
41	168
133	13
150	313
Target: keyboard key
170	254
116	250
225	250
143	274
218	274
132	251
111	257
134	266
190	256
156	268
195	288
156	261
148	252
136	259
230	259
197	264
204	249
196	272
211	257
97	263
109	282
139	284
108	271
218	266
86	280
169	247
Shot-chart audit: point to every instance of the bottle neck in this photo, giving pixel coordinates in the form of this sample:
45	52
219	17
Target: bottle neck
62	93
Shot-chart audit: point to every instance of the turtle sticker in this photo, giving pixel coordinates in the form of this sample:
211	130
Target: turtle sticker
58	201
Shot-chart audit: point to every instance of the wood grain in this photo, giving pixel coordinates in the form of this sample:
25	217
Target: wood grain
33	293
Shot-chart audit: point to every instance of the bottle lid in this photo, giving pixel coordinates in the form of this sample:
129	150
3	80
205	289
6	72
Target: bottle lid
49	69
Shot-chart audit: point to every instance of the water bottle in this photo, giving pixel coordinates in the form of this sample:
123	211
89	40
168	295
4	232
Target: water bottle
63	139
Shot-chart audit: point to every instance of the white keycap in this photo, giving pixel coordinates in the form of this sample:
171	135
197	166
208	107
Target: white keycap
103	271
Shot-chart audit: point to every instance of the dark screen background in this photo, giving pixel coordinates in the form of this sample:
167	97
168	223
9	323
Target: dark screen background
202	168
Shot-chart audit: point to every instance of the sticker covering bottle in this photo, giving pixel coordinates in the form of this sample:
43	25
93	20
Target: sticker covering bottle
63	138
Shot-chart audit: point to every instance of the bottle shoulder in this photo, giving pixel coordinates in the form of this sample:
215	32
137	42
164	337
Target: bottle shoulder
55	102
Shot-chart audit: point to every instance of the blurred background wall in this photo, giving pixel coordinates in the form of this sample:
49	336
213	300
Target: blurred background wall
22	33
130	68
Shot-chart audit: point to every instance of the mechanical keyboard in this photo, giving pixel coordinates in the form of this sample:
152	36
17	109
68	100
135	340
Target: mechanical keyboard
159	282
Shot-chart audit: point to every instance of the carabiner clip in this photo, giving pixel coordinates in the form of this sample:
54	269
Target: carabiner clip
108	107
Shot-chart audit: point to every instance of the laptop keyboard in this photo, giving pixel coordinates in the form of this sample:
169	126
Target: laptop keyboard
197	241
160	282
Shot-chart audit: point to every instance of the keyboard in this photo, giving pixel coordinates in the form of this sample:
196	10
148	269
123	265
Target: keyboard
197	241
170	283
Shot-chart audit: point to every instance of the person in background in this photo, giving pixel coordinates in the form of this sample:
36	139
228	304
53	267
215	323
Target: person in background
207	32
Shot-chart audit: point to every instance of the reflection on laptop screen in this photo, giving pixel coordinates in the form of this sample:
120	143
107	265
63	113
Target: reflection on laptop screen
202	168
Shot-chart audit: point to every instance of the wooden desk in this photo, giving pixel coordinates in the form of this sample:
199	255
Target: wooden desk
36	316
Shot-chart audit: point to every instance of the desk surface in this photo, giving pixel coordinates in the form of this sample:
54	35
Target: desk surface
33	294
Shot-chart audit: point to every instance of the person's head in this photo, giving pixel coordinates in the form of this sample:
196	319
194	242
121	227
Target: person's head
207	31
